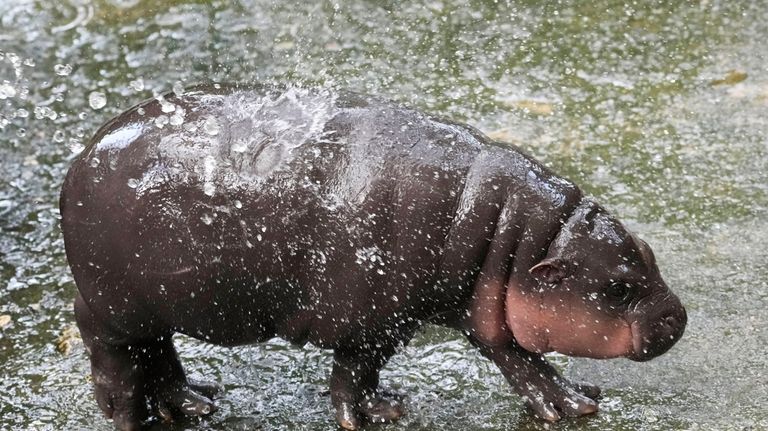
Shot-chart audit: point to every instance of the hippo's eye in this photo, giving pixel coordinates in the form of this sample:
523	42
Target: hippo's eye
619	291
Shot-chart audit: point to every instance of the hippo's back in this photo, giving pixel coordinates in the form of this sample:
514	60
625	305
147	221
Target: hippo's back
224	138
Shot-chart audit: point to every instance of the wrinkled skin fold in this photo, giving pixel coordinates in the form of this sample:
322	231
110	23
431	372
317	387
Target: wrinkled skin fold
235	214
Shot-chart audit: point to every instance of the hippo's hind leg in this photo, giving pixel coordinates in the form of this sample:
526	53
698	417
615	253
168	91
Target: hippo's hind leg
130	375
169	391
354	386
117	376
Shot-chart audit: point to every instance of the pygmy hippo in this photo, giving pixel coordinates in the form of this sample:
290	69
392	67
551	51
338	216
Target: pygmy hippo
235	214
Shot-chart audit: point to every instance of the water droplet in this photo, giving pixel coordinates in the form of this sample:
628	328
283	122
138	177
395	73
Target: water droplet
176	120
22	113
161	121
211	126
258	237
21	133
45	112
97	100
133	183
62	69
209	189
178	88
137	84
75	146
94	162
58	136
206	218
240	146
166	106
82	115
7	90
238	204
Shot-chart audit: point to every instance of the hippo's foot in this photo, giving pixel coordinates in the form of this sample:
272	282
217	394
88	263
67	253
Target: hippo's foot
382	408
378	408
169	392
354	387
129	376
192	399
558	398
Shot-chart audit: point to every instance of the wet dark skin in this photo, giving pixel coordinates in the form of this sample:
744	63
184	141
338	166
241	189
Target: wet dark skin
238	214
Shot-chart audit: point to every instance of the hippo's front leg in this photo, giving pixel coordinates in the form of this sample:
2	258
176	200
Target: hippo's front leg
544	390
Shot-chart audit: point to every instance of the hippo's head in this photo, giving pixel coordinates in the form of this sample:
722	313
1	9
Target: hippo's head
598	293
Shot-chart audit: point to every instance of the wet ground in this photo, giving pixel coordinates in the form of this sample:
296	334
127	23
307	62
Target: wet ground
659	110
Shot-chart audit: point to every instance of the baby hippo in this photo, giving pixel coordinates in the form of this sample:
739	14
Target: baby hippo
235	214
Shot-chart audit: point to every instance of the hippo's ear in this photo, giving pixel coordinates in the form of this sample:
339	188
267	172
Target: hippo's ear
550	270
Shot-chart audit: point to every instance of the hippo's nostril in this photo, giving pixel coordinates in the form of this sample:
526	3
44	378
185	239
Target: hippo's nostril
669	321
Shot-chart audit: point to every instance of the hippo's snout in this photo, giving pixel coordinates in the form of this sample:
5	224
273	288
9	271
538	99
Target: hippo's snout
656	326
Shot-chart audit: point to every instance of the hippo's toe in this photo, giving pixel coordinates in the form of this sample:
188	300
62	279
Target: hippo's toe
382	408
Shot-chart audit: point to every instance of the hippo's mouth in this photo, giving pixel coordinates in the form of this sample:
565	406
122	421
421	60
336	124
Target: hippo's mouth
639	352
654	339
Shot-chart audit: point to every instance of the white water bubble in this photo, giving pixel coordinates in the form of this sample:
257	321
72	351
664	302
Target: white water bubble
161	121
7	90
45	112
62	69
22	113
176	120
209	188
58	136
133	183
75	146
178	88
238	204
211	126
40	112
137	84
97	100
206	218
166	106
240	146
